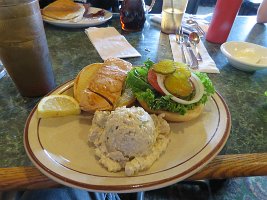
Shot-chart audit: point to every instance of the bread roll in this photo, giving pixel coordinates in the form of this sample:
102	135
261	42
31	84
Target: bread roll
83	78
100	86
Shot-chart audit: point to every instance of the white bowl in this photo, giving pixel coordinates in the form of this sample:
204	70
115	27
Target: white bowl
245	56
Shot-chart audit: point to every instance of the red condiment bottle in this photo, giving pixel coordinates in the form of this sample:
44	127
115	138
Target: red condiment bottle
223	18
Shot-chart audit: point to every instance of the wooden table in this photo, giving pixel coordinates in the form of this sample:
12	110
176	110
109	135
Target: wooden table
245	153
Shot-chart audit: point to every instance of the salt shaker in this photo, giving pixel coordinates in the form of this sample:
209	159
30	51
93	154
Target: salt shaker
223	18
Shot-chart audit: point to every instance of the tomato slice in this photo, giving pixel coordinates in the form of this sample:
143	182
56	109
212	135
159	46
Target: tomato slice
152	79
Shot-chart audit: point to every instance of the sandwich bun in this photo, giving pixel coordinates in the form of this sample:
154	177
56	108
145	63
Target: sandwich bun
88	100
175	117
101	86
63	10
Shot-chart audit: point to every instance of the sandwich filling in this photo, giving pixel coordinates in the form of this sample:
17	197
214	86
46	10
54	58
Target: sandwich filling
156	99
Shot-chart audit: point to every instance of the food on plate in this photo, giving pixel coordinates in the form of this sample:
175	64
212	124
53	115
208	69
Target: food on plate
57	106
100	13
63	10
165	67
101	86
128	138
180	94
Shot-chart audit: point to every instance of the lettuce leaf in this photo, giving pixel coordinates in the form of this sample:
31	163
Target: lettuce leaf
137	81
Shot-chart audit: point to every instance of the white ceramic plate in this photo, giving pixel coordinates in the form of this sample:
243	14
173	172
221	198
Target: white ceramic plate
85	22
245	56
58	147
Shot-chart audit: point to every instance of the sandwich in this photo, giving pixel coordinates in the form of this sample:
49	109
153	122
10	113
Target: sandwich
101	86
171	88
63	10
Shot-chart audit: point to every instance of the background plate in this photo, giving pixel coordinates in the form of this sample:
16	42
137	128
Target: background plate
58	147
85	22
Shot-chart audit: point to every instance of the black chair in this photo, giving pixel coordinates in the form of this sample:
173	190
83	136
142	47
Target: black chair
249	7
112	5
192	6
208	3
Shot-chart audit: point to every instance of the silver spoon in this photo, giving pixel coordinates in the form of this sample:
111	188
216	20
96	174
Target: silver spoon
195	39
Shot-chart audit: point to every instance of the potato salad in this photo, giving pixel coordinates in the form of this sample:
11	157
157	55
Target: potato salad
128	139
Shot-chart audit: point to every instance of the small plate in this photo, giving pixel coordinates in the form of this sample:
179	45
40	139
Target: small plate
84	22
59	148
245	56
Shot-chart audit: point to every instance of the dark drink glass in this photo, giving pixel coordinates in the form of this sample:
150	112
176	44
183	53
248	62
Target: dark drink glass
133	14
2	70
23	47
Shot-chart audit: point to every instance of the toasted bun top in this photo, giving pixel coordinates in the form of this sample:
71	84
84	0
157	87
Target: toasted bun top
100	86
122	64
63	10
175	117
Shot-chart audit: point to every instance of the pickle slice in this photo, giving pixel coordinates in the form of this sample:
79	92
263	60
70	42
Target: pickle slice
164	67
178	85
182	69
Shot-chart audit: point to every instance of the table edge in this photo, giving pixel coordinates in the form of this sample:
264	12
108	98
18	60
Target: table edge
221	167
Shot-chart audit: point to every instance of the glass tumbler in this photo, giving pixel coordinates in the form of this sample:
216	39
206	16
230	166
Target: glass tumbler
172	15
23	47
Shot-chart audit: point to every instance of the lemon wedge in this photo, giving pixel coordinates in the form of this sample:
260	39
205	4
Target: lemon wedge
58	106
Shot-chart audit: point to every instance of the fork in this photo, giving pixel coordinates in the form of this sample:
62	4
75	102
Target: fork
180	40
194	23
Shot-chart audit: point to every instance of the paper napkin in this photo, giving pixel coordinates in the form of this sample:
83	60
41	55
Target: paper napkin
110	43
207	65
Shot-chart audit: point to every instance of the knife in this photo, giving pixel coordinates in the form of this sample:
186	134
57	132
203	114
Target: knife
194	62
